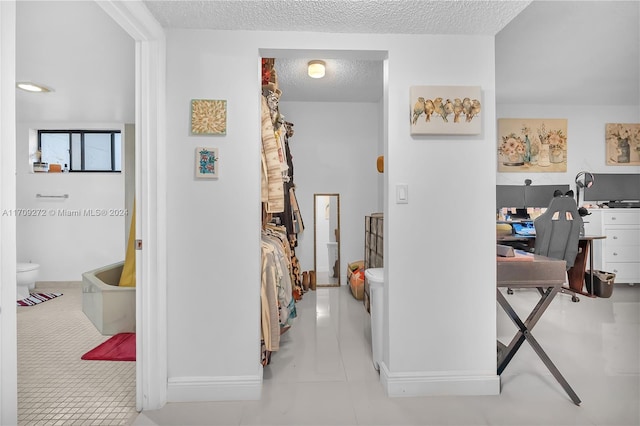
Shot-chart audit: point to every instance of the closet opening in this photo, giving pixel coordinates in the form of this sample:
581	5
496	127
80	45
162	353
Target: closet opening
321	137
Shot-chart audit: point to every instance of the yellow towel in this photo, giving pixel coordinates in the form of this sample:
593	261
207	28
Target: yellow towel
128	277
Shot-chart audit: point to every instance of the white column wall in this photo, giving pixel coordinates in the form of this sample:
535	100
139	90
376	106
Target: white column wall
441	325
440	290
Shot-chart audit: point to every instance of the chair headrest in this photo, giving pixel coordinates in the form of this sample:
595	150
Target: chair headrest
563	203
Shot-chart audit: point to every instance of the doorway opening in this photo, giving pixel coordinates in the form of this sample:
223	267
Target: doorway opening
339	133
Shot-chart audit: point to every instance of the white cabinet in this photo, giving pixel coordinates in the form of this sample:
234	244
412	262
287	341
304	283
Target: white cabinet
620	251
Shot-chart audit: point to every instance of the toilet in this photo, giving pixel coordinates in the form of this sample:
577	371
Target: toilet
26	275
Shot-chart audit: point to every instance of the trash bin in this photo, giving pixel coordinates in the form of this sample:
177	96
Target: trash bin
602	285
375	279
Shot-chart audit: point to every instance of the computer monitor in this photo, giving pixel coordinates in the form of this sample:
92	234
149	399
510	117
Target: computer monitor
541	195
509	196
613	187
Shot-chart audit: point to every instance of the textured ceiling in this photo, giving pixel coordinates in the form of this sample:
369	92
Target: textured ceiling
550	52
348	79
340	16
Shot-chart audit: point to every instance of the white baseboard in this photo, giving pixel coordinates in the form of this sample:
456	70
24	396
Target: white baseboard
227	388
424	384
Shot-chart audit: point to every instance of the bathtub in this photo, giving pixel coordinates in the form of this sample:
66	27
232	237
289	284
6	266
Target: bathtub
111	308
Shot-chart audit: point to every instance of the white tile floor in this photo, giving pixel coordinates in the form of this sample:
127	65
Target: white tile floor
323	374
56	387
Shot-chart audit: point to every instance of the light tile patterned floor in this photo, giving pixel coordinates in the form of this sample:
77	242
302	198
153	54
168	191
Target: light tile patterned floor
323	373
56	387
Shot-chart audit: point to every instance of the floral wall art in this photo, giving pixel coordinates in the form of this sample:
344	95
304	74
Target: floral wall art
532	145
207	163
445	110
623	144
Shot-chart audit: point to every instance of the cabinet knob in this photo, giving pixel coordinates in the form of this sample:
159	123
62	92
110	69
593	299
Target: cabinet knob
613	218
615	270
615	237
615	254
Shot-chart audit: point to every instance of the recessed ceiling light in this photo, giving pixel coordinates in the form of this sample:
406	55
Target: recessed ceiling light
30	86
316	69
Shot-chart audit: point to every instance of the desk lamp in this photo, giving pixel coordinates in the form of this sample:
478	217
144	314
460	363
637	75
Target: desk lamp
583	180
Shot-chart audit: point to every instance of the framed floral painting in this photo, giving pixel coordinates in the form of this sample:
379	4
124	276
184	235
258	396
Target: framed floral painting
207	163
623	144
532	145
445	110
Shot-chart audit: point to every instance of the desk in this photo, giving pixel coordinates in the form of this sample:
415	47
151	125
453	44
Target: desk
577	271
545	274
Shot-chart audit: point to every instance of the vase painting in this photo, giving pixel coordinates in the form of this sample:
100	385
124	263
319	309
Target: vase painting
544	160
542	143
622	144
556	156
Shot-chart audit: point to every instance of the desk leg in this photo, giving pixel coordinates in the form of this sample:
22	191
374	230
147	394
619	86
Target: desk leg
524	333
532	319
552	368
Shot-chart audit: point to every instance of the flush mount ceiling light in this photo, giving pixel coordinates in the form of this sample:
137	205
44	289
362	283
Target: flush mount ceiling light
316	69
30	86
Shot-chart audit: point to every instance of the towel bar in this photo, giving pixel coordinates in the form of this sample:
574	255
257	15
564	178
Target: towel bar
52	196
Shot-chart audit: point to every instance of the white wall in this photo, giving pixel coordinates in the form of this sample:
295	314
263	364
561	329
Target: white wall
585	139
63	237
93	83
213	226
441	304
334	149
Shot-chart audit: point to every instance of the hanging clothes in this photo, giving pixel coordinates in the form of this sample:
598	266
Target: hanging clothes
273	185
281	276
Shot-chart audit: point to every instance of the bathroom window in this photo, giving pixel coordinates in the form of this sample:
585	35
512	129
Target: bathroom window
82	150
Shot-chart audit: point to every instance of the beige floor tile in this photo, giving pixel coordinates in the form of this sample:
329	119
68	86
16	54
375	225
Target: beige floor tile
54	385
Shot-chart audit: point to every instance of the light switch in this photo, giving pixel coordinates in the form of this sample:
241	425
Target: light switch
402	193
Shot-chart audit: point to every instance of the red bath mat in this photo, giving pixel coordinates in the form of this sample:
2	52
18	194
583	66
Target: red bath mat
120	347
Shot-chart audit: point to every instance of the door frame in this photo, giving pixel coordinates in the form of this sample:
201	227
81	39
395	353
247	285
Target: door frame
8	249
150	190
151	305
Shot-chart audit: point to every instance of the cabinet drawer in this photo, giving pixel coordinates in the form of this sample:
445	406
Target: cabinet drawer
622	236
622	253
628	217
625	272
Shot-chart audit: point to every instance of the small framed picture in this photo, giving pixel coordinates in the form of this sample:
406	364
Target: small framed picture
208	117
207	163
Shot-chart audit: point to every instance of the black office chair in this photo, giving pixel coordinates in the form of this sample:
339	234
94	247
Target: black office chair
558	231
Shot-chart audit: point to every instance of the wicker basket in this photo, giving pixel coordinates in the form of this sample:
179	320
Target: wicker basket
356	281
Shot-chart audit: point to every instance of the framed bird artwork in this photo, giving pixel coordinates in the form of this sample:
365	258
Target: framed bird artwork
445	110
